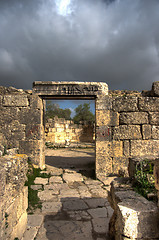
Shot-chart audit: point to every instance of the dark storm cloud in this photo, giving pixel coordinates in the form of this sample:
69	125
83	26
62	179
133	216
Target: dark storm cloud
112	41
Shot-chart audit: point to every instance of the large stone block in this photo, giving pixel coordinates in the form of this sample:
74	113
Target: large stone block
125	104
148	104
145	148
125	132
155	88
116	149
30	116
34	131
134	118
8	115
103	159
146	131
134	216
106	117
15	101
155	132
104	103
154	118
103	133
35	102
120	166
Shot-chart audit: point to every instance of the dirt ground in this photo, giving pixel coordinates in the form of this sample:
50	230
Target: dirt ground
71	158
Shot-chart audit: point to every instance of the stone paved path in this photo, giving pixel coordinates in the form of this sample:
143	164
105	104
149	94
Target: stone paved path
74	207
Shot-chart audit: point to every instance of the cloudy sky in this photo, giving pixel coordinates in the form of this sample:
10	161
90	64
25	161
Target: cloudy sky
113	41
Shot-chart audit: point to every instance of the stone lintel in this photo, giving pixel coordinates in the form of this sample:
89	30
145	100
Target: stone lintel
72	88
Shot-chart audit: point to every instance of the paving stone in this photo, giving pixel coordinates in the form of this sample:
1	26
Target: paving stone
69	177
36	187
55	179
35	220
99	193
85	194
100	225
95	202
39	180
53	188
41	235
71	205
74	230
55	171
30	233
98	212
53	207
69	193
79	215
93	182
46	195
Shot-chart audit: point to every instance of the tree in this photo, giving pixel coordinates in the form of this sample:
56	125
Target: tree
53	109
83	114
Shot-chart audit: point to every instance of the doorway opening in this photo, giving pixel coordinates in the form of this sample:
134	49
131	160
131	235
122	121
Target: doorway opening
70	135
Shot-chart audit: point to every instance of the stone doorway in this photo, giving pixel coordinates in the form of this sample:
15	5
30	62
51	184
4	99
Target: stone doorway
70	143
81	90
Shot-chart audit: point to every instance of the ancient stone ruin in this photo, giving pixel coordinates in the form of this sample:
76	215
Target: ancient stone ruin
127	129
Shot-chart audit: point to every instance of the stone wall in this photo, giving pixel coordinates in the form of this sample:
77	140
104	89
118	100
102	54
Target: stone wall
60	130
134	126
13	196
21	116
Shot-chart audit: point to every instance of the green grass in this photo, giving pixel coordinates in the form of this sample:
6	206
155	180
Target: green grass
144	179
33	199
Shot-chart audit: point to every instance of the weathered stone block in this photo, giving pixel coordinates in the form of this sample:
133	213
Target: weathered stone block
154	118
27	116
146	131
103	133
127	132
155	132
106	117
8	115
134	216
15	101
103	159
144	148
33	131
1	100
125	104
126	148
148	104
35	102
116	149
120	166
155	88
103	103
134	118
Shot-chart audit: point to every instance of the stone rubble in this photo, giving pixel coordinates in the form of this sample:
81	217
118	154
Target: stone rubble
74	207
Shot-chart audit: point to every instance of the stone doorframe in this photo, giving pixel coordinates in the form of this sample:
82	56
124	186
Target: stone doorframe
81	90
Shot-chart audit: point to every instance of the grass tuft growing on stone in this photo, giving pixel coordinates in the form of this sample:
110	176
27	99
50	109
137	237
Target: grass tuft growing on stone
33	199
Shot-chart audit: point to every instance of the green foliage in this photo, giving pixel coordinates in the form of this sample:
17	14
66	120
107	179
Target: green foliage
144	179
83	114
33	199
5	150
53	110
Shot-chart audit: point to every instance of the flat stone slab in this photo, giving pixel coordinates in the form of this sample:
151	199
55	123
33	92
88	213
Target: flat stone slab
70	193
55	171
100	225
53	188
78	204
68	230
51	207
98	212
71	177
79	215
46	195
95	202
39	180
55	179
30	233
36	187
35	220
